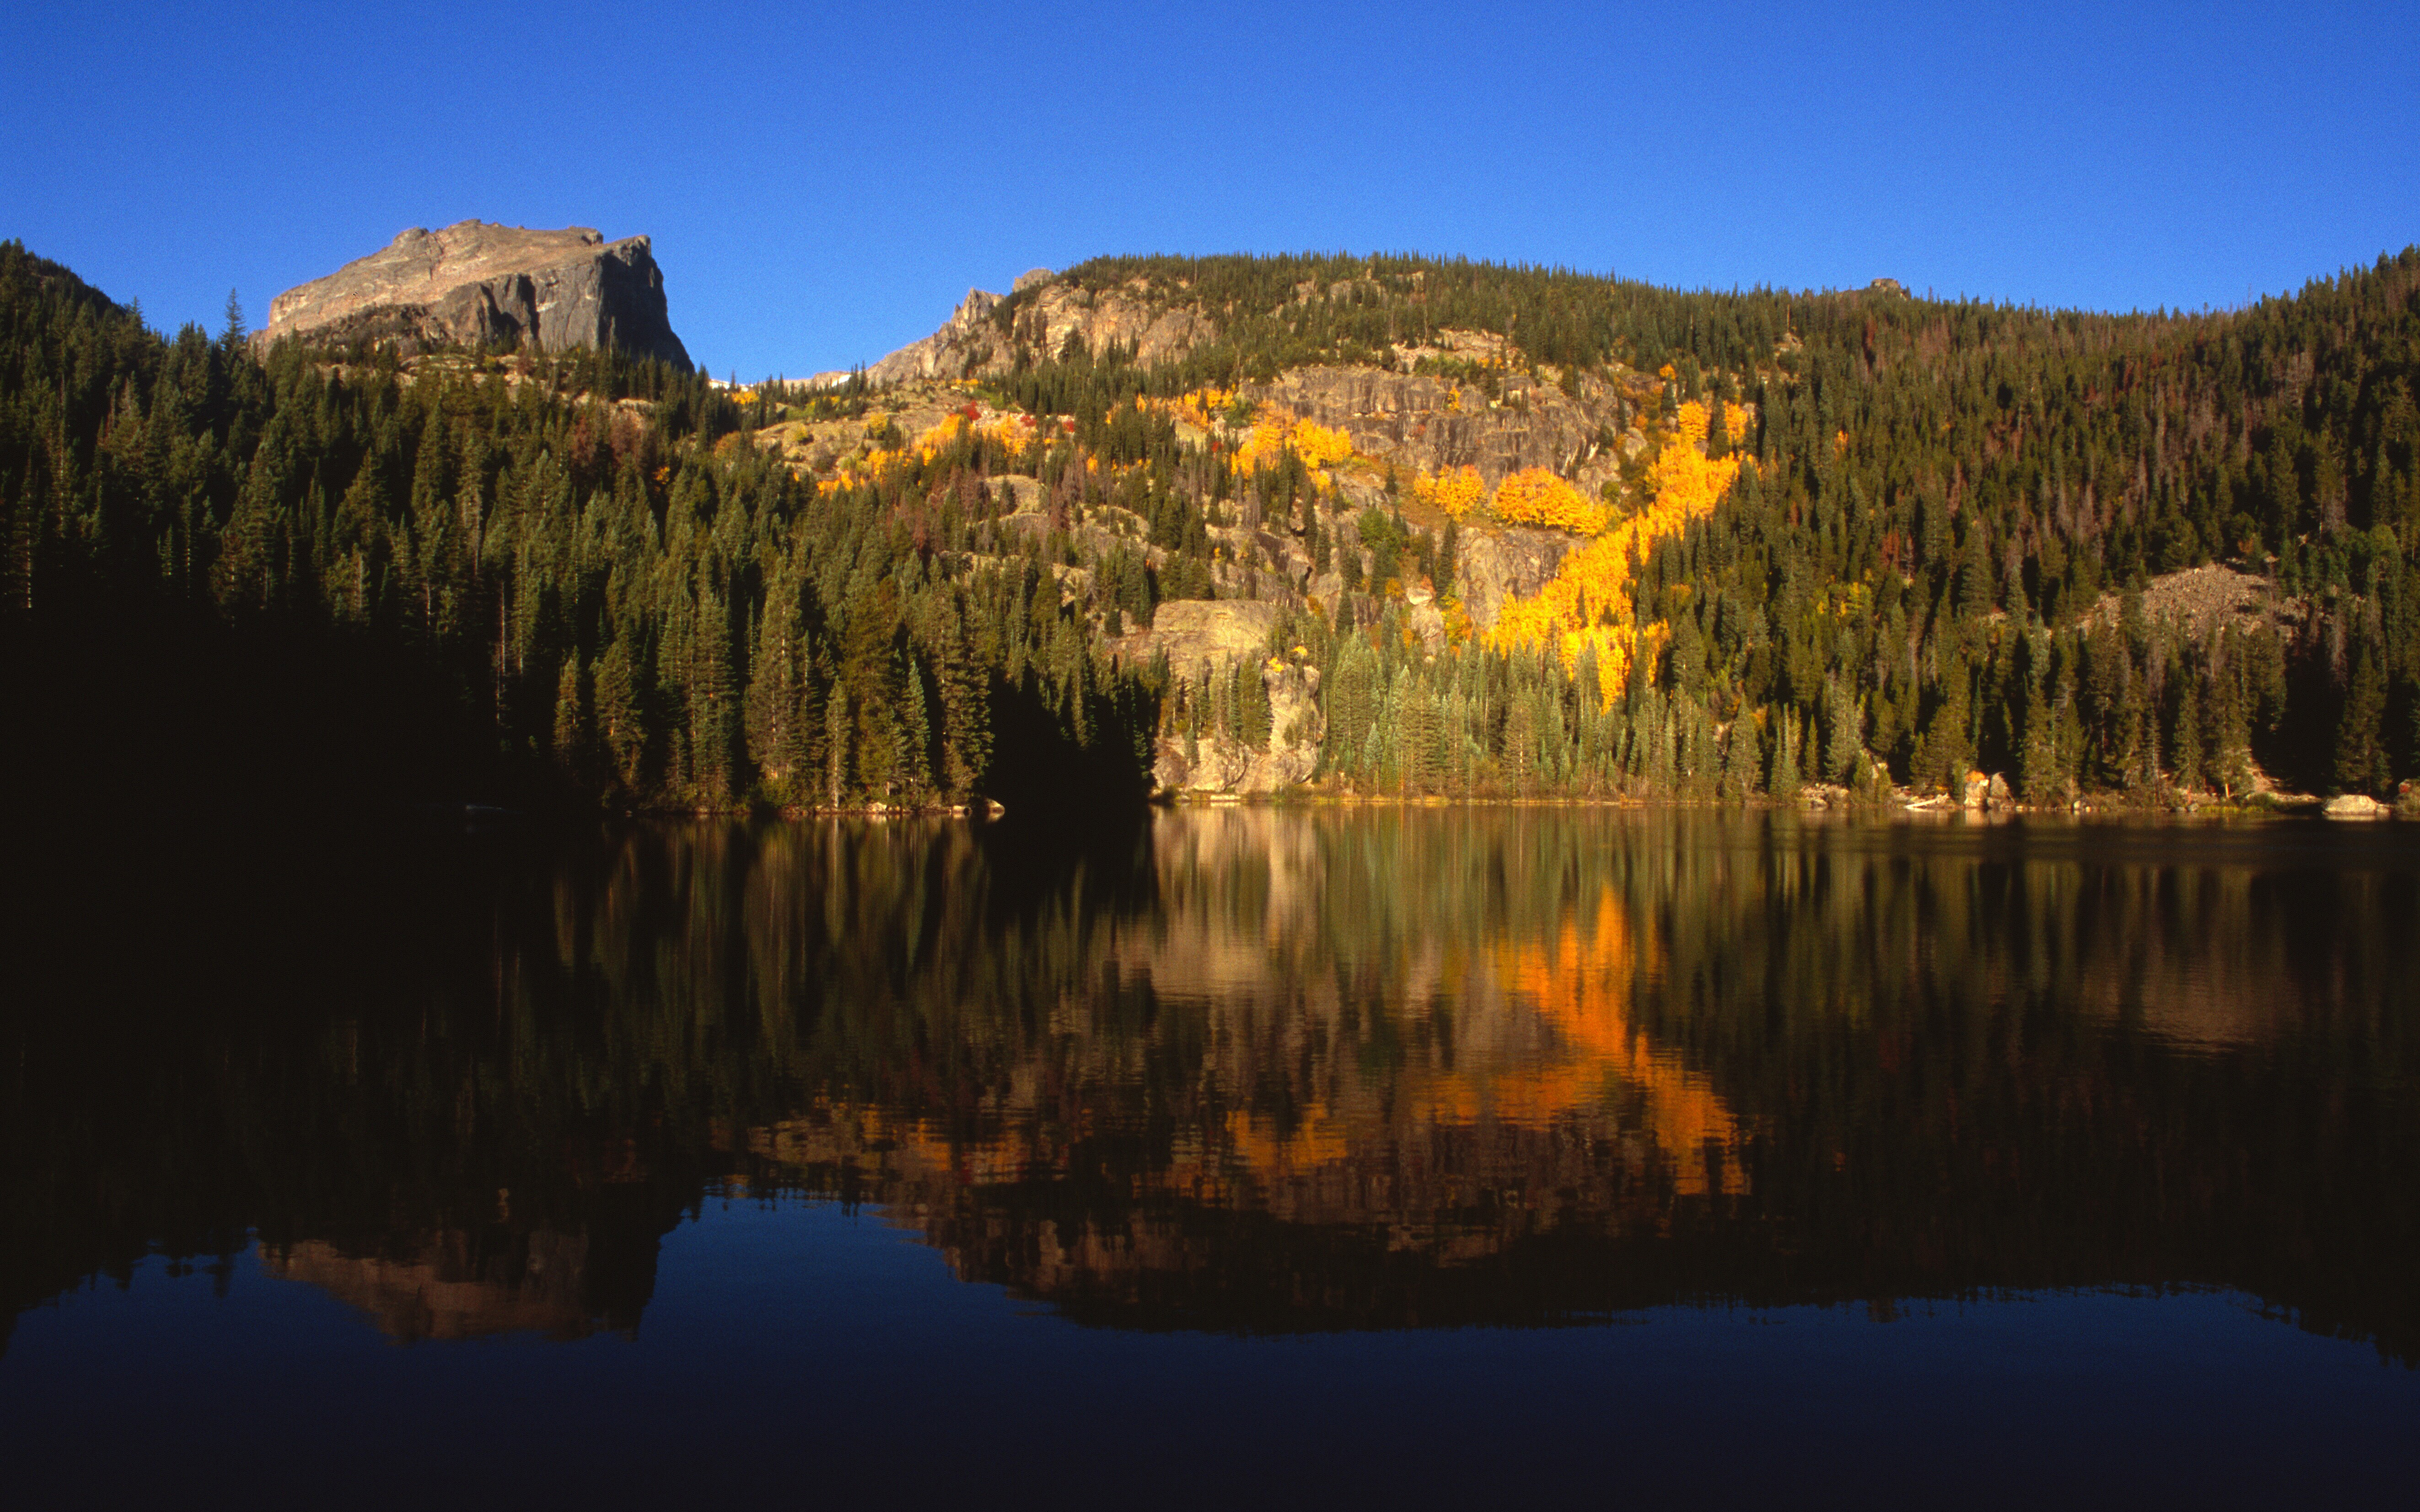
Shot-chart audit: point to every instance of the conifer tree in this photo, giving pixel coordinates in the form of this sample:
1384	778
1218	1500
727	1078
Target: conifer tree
1842	737
570	719
2359	755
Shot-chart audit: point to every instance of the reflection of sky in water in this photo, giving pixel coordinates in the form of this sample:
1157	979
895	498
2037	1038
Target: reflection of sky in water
800	1352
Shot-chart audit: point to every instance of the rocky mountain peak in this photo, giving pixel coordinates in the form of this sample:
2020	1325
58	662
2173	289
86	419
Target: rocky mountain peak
483	283
971	343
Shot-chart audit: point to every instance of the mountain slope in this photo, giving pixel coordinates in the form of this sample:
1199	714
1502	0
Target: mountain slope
1499	531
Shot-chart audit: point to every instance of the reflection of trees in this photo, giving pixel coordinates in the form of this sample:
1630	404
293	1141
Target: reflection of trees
1259	1069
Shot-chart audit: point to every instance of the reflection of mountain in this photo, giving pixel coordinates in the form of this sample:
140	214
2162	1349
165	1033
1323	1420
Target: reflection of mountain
1383	1069
1268	1070
448	1288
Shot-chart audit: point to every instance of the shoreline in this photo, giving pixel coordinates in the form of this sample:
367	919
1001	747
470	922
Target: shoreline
1901	805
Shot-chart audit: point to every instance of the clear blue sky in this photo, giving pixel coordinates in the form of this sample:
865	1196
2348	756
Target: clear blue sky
823	183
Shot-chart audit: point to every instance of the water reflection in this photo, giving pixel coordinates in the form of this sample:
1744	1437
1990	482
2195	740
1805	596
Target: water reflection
1262	1070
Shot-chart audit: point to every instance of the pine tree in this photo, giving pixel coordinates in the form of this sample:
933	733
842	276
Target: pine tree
2185	741
2040	774
1739	760
620	721
912	768
837	727
2360	754
965	712
570	720
1842	740
1782	777
713	724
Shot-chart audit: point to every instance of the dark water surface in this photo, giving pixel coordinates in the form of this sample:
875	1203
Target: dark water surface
1248	1155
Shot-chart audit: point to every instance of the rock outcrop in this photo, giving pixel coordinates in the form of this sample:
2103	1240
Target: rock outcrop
1436	425
975	342
1987	791
942	354
2202	598
1505	564
496	286
1199	637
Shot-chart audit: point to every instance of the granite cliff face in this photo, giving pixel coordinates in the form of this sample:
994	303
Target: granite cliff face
1201	638
942	354
1436	425
497	285
976	341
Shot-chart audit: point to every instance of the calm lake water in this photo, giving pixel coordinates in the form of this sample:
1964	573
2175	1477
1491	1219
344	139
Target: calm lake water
1244	1155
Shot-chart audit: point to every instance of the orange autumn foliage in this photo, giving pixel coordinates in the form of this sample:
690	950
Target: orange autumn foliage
1534	495
1272	437
1455	492
1588	604
1203	407
1012	434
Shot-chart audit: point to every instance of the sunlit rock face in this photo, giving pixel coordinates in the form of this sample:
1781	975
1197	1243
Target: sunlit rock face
474	284
978	341
1209	641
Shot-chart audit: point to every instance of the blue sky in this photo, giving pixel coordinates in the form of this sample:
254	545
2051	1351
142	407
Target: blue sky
824	182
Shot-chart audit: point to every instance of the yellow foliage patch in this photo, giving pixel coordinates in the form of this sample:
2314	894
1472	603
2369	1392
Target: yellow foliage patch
1588	603
1012	434
1534	495
1455	492
935	441
1203	407
1271	439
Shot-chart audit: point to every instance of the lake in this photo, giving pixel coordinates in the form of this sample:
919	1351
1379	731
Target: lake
1243	1153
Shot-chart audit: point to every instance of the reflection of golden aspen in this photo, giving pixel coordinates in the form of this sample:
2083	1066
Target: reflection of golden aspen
1580	982
1576	984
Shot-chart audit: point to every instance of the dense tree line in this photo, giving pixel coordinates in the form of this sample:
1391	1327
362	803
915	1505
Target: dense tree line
581	575
570	575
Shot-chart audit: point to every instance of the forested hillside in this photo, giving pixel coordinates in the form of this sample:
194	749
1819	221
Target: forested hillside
1512	531
326	575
